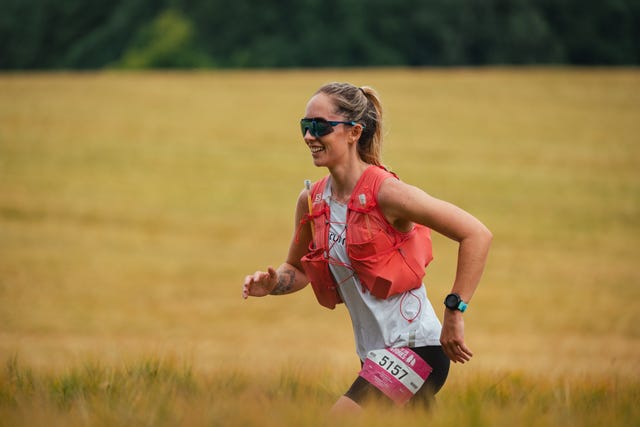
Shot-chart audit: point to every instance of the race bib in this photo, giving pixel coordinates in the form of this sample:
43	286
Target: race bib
397	372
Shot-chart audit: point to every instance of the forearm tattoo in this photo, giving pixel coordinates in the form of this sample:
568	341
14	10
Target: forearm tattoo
285	282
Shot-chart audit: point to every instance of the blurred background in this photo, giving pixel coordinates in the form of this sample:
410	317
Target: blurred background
79	34
150	158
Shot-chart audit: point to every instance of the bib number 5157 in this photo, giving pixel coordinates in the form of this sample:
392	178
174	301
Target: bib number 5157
397	372
393	368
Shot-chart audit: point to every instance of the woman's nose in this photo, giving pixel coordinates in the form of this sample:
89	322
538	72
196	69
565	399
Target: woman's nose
307	135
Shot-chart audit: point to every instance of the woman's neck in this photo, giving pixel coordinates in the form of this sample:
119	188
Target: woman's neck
344	179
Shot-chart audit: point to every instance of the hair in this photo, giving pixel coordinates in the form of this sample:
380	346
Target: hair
361	105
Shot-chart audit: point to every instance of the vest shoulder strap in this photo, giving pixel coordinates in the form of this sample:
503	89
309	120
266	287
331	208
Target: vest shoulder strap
317	189
365	194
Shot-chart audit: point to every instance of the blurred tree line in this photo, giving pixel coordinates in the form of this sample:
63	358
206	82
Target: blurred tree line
90	34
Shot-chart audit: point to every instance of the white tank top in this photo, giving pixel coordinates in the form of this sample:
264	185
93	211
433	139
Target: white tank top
403	320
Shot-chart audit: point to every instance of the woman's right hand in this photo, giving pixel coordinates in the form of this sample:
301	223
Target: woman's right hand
260	283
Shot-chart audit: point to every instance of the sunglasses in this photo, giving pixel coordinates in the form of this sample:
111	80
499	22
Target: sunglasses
320	127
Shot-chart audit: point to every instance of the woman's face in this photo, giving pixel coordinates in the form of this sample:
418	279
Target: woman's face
330	149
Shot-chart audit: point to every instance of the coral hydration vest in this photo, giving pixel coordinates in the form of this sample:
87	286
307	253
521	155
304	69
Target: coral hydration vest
386	261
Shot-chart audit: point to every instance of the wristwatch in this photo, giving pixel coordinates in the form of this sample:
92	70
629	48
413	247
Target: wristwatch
454	302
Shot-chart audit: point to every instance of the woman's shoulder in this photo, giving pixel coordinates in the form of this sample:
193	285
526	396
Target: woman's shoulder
403	203
392	190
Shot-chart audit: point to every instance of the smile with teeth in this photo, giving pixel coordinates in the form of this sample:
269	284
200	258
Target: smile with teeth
316	149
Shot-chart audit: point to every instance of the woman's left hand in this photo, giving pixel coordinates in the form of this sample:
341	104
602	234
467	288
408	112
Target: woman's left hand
452	337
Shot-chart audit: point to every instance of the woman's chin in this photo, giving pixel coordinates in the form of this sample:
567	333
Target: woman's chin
318	161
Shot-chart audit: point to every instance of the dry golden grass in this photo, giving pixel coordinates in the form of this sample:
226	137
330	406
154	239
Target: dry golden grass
132	206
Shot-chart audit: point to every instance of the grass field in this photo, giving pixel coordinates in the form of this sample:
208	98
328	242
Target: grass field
132	206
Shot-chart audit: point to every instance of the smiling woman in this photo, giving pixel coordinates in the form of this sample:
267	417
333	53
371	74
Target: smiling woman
364	240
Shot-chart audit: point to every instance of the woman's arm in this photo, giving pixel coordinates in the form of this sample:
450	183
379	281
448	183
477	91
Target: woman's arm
403	204
288	277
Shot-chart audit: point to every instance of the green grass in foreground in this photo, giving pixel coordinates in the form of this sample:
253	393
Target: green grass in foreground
160	392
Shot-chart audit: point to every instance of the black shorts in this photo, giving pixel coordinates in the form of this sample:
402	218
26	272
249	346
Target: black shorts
361	390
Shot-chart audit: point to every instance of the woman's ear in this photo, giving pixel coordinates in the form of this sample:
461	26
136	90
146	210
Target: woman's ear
356	132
